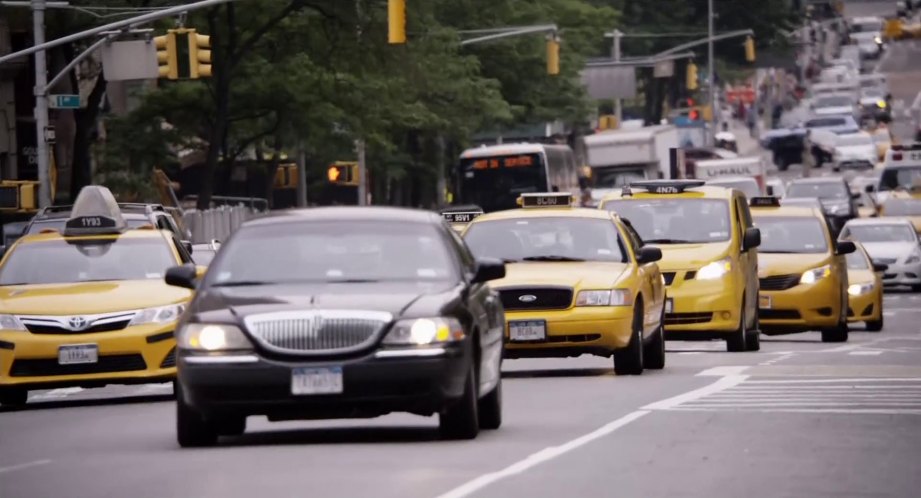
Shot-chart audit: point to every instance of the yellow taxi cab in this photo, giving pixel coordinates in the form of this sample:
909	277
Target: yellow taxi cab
802	271
865	289
578	281
459	216
903	205
709	261
88	307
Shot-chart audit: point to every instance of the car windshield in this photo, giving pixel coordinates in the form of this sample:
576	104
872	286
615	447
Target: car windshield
881	233
825	122
850	140
87	260
676	221
58	224
818	190
857	261
747	186
873	93
902	207
333	251
546	239
901	178
787	234
833	101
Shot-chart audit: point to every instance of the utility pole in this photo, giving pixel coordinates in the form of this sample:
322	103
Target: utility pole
42	155
711	72
362	172
301	175
618	103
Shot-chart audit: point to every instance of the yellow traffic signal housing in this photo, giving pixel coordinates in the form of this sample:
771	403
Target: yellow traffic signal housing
691	82
396	22
19	196
343	173
167	62
199	55
750	49
553	56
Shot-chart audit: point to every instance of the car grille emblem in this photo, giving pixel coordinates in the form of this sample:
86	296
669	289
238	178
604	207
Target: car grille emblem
77	323
527	298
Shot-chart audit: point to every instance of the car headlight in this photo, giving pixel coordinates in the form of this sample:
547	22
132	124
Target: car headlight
913	258
881	104
878	40
715	270
424	331
212	337
10	322
160	314
616	297
814	275
859	289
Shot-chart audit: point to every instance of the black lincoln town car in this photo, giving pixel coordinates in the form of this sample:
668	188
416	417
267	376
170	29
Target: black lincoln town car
340	313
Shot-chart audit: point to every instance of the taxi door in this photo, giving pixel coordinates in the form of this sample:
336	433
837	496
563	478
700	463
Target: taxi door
748	260
651	286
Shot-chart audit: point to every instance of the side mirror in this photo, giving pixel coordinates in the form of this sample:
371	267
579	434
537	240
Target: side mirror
845	247
488	269
185	276
751	239
187	244
648	254
879	267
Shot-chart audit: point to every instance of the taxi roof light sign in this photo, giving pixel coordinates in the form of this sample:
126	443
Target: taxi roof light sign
545	200
95	212
461	216
765	201
667	186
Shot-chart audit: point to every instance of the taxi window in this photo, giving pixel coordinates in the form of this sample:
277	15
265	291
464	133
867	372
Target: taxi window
881	233
791	235
327	251
58	224
857	261
546	239
676	221
60	261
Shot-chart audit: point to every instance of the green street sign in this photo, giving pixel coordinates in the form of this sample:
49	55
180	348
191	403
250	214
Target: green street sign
64	101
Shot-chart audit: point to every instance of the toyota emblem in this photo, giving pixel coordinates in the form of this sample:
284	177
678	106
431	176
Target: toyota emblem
77	322
527	298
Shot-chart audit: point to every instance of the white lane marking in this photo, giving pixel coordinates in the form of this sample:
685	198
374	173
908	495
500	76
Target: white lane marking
777	360
721	385
855	411
836	381
851	347
541	456
865	353
762	404
722	371
26	465
58	393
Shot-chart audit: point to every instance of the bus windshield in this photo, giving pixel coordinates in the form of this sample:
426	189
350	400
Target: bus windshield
494	183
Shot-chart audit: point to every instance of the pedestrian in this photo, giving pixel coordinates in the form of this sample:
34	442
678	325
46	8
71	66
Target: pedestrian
775	116
751	116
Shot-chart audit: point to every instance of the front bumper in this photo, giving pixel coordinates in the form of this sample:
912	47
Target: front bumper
902	274
372	385
703	307
572	332
866	307
135	355
801	308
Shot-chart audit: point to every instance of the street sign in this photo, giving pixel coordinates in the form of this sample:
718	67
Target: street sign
64	101
610	82
50	135
664	69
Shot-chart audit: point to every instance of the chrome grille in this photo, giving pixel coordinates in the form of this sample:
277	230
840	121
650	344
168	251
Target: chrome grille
78	324
317	331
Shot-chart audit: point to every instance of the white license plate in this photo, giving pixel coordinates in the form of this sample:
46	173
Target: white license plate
764	302
527	330
76	354
306	381
669	305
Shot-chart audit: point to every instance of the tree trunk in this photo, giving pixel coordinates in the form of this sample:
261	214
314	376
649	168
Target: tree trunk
81	173
222	108
272	170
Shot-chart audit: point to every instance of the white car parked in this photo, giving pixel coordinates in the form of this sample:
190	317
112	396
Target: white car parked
890	241
854	151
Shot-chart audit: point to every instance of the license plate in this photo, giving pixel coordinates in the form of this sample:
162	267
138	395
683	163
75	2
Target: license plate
527	330
669	305
76	354
307	381
764	302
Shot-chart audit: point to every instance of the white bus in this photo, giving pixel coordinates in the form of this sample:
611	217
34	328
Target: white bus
493	177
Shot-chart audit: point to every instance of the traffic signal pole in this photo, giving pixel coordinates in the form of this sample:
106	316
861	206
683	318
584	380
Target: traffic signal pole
711	74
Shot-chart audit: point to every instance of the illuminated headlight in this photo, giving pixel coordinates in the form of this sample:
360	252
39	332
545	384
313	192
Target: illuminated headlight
616	297
10	322
881	104
814	275
424	331
715	270
859	289
212	337
161	314
914	257
878	40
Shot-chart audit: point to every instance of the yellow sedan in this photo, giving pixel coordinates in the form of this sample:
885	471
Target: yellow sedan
864	290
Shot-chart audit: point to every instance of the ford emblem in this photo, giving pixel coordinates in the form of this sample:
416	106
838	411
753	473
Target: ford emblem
527	298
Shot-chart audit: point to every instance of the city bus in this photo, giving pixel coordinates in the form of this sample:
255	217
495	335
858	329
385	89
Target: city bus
494	177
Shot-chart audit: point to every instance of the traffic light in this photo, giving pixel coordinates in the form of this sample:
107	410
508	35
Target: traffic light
286	176
750	49
199	55
691	83
18	196
166	56
343	173
553	55
396	20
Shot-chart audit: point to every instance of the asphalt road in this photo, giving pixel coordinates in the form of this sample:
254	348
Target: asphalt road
799	418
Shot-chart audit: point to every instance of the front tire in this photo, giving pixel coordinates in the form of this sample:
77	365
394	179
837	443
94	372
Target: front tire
753	337
490	409
461	420
876	325
629	360
192	429
735	343
13	397
654	350
836	334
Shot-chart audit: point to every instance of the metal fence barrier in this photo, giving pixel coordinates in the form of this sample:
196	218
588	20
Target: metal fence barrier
217	223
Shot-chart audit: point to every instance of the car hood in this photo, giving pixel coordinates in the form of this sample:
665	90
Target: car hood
770	264
828	111
860	277
890	250
89	297
856	152
587	275
691	256
397	298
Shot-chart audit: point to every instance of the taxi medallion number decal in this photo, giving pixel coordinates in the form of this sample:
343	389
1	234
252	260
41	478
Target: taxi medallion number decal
527	330
764	302
307	381
76	354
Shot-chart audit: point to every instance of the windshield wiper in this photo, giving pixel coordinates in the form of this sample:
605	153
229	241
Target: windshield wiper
552	258
666	241
778	252
242	283
353	281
